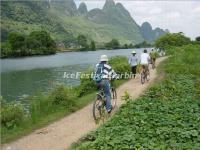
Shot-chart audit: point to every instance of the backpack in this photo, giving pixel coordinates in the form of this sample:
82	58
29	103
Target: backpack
98	76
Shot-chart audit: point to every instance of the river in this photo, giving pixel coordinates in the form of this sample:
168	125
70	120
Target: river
22	77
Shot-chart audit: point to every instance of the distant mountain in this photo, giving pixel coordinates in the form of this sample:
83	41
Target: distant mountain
118	17
68	7
82	9
64	21
149	34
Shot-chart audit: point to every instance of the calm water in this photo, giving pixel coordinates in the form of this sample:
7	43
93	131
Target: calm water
21	77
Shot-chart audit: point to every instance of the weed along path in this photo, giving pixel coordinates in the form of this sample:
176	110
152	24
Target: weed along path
61	134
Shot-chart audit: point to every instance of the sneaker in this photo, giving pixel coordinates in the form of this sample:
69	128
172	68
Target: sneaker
110	110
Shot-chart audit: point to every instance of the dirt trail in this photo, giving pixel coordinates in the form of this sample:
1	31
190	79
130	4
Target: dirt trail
61	134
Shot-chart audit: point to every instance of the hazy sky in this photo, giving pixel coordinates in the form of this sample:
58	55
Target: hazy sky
173	15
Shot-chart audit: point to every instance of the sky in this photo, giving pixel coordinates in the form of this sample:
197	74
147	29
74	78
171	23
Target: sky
177	15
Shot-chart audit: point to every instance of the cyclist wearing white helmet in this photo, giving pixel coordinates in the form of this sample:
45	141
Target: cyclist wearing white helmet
103	74
133	61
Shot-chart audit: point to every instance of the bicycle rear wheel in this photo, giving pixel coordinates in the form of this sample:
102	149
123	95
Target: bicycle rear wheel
142	77
98	107
114	97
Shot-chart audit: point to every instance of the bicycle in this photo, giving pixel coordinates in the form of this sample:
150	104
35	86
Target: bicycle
153	63
144	74
100	103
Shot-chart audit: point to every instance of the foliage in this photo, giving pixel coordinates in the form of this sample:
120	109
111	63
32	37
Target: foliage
144	44
87	85
11	115
37	43
113	44
92	46
174	39
63	96
127	46
165	117
197	38
120	65
82	41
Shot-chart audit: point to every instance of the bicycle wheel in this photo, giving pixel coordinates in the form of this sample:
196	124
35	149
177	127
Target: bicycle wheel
142	77
113	97
153	65
98	107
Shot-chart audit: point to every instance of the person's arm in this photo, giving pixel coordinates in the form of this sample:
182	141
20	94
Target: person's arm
137	60
129	61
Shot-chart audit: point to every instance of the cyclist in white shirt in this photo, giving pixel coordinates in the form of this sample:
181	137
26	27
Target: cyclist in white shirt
144	61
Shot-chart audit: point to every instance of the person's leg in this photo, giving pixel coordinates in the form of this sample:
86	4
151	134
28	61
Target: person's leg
134	71
108	95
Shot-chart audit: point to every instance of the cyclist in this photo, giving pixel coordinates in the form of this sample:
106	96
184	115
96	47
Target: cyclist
133	61
103	75
144	61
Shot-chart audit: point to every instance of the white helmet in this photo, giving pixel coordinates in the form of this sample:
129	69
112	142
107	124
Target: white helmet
104	58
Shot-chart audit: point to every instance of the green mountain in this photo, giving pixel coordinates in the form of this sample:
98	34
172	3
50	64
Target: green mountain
82	9
64	21
149	34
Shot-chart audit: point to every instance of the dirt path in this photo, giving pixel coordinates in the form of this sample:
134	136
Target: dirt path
61	134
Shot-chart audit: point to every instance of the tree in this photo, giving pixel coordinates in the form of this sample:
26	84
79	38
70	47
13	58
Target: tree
92	45
113	44
144	44
174	39
37	42
40	42
16	40
82	41
198	38
125	46
130	45
17	44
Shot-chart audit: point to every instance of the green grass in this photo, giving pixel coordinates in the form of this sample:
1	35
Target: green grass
27	126
165	117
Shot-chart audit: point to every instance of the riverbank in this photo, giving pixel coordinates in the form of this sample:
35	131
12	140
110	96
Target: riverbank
61	134
66	51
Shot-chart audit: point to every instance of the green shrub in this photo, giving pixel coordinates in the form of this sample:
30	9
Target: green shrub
87	85
12	115
120	65
174	39
62	96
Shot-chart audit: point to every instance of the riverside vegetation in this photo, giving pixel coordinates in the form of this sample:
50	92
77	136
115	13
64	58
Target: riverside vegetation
36	43
167	115
18	120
